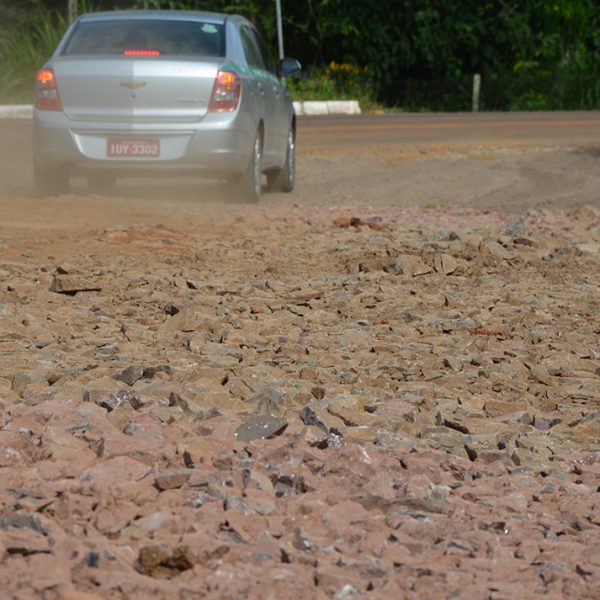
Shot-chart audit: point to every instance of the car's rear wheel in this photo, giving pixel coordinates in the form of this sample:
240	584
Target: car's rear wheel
50	181
250	183
101	184
283	179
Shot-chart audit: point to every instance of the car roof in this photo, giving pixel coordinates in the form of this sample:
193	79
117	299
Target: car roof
162	15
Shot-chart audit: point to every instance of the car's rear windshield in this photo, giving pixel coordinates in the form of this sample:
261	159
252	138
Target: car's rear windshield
146	38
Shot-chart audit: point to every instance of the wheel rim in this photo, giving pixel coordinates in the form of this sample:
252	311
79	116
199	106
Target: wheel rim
291	166
257	167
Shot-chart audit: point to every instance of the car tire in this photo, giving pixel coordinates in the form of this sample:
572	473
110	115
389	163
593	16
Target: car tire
103	185
283	179
50	181
250	183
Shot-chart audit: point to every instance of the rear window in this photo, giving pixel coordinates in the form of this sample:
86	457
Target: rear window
146	38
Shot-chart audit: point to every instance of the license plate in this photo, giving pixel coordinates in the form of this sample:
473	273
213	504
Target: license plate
132	148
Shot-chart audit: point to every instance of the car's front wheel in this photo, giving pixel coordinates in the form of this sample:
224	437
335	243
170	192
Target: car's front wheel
283	179
50	181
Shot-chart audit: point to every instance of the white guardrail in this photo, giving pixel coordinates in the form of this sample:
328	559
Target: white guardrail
308	107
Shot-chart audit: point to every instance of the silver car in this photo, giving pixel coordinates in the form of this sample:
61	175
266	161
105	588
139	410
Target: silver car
145	93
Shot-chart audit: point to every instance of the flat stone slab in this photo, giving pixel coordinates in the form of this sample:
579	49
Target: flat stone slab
260	427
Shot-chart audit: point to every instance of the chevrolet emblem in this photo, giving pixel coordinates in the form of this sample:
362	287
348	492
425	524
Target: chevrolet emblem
132	84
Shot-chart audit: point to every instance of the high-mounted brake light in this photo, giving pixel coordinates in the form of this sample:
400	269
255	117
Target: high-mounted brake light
226	92
141	52
46	91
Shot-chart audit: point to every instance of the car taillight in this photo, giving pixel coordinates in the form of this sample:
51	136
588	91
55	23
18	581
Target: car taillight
46	92
226	92
141	52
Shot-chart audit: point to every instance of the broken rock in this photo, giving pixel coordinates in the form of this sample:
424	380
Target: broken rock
71	285
260	427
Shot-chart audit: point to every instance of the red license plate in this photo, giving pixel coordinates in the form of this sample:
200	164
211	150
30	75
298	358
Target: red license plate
132	148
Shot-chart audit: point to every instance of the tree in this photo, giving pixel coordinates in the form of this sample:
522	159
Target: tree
530	53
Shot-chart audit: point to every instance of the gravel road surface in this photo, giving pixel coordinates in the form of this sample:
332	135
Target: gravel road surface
384	385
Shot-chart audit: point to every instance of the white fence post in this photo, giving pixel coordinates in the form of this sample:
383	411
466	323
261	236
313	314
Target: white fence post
476	90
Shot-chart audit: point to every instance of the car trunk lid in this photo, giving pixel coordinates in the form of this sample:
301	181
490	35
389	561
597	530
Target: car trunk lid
135	90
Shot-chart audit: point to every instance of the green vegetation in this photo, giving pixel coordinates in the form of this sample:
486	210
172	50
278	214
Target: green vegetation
23	49
411	54
338	81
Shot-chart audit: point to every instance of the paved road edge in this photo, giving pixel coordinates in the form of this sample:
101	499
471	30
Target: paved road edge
308	107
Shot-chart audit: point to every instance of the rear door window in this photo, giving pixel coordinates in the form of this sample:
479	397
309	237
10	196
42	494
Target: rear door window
251	50
262	48
151	37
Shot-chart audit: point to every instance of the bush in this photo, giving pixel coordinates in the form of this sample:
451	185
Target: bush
448	95
24	49
336	81
560	88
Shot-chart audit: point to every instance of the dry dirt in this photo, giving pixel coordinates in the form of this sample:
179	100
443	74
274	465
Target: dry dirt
385	385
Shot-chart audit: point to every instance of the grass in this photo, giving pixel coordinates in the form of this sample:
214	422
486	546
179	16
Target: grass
24	50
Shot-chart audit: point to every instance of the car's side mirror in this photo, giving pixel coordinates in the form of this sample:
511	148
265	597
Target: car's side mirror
289	67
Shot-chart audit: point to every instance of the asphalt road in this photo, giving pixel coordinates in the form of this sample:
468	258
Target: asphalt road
369	135
557	128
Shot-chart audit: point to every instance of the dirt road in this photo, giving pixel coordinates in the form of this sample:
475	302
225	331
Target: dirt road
384	385
506	162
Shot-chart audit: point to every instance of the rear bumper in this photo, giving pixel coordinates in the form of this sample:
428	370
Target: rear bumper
218	145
